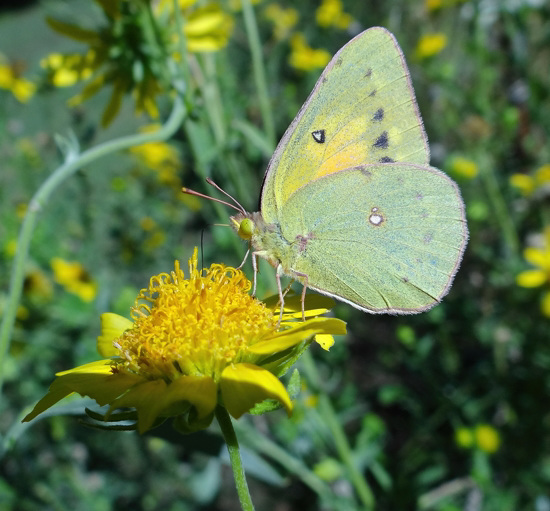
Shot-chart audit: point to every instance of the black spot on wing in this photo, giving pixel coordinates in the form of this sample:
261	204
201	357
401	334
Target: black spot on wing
386	159
382	142
378	115
368	73
318	136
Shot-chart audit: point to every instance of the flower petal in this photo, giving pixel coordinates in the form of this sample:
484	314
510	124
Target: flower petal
112	327
531	278
537	257
95	380
297	333
156	398
244	385
326	341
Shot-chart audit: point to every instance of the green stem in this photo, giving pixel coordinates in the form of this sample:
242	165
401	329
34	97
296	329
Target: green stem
340	441
40	198
235	457
259	70
500	208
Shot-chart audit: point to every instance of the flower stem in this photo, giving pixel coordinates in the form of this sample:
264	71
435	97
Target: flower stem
73	163
340	441
259	71
235	457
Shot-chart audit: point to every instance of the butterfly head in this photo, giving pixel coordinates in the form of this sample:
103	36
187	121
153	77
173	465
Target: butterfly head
244	225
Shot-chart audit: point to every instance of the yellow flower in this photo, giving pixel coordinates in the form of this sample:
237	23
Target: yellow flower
304	57
430	45
236	5
331	13
464	167
160	157
126	54
284	20
432	5
487	438
527	184
20	87
194	344
464	438
540	258
207	27
74	278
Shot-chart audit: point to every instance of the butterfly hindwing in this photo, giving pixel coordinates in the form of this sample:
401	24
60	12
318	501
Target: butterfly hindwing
385	238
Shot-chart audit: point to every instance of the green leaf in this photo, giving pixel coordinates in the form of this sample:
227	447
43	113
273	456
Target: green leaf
73	31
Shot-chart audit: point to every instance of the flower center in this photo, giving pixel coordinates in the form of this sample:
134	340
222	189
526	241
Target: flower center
194	327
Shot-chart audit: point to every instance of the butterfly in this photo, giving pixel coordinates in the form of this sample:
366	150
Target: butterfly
350	206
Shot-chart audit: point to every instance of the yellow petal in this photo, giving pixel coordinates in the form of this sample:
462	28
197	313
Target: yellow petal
156	398
297	333
244	385
95	380
525	183
147	399
326	341
537	257
112	327
531	278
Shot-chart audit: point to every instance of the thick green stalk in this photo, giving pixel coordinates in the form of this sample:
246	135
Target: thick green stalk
259	70
73	163
340	441
235	457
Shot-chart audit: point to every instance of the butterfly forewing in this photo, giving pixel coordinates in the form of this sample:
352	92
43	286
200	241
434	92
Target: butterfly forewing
362	110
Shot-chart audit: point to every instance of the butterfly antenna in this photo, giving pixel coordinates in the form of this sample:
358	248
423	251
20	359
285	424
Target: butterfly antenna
210	182
198	194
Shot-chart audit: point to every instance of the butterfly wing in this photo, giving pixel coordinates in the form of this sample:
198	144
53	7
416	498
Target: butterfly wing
385	238
362	110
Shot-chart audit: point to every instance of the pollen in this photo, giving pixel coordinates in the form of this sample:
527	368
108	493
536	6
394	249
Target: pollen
195	326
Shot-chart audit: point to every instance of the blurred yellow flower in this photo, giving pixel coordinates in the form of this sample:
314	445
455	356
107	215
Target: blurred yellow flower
331	13
432	5
528	184
487	438
207	27
37	285
237	5
192	344
464	167
21	88
464	437
161	157
540	258
74	278
283	19
305	58
430	45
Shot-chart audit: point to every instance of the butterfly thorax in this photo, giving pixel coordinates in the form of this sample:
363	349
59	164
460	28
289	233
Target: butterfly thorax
266	239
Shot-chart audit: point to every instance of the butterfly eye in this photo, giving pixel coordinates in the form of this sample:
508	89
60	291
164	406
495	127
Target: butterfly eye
246	228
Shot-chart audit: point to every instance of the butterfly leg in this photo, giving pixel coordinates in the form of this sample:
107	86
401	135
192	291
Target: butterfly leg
244	259
255	269
304	283
278	274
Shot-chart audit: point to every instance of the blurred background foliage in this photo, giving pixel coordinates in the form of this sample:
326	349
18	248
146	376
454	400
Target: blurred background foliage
446	410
